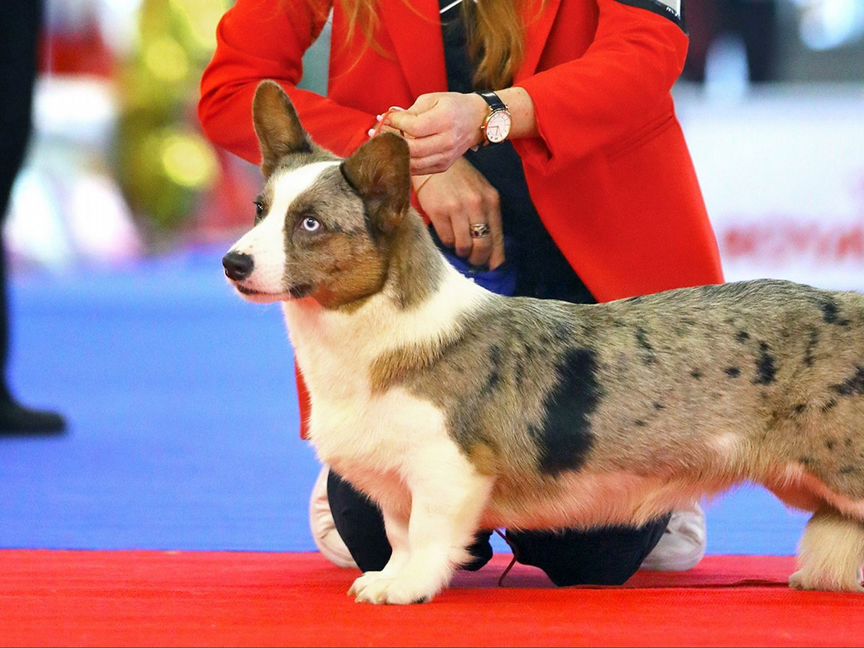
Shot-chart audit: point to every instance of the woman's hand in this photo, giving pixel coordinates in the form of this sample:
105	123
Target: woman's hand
439	128
456	199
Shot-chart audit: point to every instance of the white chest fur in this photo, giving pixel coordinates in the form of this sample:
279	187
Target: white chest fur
351	426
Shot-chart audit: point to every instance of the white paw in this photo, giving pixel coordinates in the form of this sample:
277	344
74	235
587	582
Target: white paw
799	582
384	590
364	581
803	580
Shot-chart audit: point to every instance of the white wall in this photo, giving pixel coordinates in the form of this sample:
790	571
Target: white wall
782	172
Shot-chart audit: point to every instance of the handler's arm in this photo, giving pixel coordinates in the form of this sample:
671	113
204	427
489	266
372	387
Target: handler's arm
570	110
623	79
266	39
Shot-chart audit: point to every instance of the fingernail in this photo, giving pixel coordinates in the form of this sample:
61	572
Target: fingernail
371	132
379	117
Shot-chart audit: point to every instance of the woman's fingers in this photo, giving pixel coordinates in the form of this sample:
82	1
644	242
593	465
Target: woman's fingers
460	220
481	250
465	211
441	127
496	232
433	164
443	227
417	121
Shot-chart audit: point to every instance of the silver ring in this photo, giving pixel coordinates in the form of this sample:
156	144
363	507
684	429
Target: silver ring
479	230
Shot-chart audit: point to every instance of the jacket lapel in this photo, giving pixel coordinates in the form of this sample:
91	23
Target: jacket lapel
415	29
536	32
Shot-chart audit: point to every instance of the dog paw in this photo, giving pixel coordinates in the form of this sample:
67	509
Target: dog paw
382	590
803	580
799	582
364	581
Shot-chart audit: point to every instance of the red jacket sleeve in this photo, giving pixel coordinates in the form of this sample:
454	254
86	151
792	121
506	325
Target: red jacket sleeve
266	39
597	100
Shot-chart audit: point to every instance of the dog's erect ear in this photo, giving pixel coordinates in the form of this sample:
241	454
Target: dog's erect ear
278	128
380	173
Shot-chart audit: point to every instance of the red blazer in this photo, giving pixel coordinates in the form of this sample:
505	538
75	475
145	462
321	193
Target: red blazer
610	173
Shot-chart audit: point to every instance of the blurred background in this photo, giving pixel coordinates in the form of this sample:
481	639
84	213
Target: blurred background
180	398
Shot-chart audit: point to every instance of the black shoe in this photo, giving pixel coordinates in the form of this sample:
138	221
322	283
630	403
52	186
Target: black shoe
16	420
481	551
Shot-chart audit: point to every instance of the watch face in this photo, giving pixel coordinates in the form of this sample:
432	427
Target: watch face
498	126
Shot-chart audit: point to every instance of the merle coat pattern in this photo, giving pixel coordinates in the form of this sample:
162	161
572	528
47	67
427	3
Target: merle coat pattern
456	409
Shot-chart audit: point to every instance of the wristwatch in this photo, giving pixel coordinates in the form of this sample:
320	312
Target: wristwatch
496	125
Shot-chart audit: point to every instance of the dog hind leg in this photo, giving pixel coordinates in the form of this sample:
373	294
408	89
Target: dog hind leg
831	553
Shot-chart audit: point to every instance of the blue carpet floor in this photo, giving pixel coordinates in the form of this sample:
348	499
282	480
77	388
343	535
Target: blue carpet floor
183	421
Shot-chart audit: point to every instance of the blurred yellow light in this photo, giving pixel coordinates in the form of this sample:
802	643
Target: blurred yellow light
201	16
188	161
166	59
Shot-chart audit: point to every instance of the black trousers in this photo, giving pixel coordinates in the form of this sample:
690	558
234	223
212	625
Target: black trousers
607	556
20	28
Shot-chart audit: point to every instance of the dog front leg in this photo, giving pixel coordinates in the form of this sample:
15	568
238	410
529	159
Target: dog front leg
396	527
445	514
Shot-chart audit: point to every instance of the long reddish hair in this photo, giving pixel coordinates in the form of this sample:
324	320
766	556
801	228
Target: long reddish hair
496	34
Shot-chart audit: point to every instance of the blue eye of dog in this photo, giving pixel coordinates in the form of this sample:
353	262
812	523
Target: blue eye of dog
259	210
311	224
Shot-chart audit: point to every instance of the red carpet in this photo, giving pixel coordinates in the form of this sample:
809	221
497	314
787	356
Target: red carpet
217	599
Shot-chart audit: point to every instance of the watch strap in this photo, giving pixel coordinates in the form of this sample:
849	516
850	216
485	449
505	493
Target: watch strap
493	100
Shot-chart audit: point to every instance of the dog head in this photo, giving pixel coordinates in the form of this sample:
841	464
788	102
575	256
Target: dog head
323	224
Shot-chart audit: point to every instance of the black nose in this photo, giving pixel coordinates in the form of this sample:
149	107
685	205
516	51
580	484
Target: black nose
237	265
